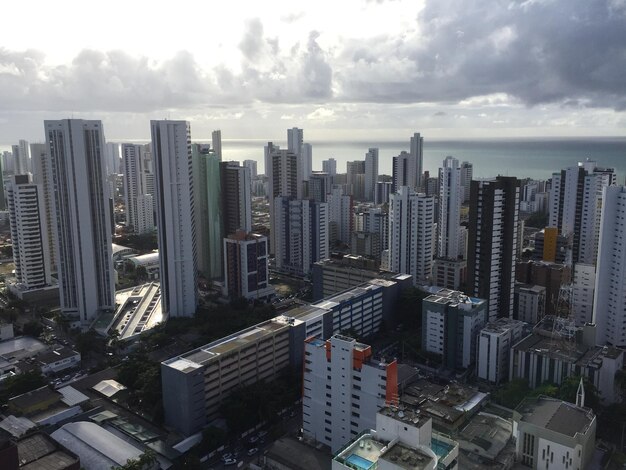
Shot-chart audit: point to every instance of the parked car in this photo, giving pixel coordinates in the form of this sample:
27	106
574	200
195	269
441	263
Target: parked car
230	462
253	451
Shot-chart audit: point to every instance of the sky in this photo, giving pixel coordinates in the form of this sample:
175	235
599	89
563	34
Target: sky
341	69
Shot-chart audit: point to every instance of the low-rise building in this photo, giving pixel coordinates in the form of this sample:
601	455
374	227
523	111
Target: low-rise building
36	452
551	433
148	262
494	348
451	322
57	359
557	349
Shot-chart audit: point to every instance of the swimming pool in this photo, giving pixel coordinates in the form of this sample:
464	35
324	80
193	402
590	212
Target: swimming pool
359	462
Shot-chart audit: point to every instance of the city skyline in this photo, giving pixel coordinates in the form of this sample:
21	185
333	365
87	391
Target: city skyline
394	67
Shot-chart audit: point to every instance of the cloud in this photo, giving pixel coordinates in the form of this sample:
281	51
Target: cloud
536	52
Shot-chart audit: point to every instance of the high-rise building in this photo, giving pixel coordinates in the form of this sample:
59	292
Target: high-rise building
42	175
450	324
355	174
83	217
139	215
575	203
492	243
246	266
306	155
236	197
216	142
467	172
400	172
301	234
207	188
268	150
171	147
295	139
112	155
494	348
21	158
449	209
417	159
343	388
283	180
29	234
330	166
610	289
320	185
382	192
371	174
253	167
340	216
411	219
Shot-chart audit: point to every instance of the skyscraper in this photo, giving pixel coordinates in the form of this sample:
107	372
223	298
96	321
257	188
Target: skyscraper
283	180
417	159
295	138
21	158
207	187
301	234
236	198
371	174
42	175
492	243
340	215
253	167
216	141
610	290
411	219
400	172
575	202
306	155
355	174
83	217
139	214
450	194
171	147
330	166
467	172
29	234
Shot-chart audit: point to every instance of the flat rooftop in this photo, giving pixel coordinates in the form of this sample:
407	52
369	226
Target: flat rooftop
407	457
488	432
202	355
454	297
55	355
139	310
556	415
23	346
502	325
404	414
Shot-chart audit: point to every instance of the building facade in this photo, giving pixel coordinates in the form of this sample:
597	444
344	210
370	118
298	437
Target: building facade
494	348
246	266
83	210
171	147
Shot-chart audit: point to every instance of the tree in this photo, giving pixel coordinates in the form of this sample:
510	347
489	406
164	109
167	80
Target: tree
32	328
537	220
569	388
19	384
144	462
409	308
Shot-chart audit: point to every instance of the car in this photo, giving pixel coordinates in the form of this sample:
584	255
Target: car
230	462
253	439
253	451
262	434
226	457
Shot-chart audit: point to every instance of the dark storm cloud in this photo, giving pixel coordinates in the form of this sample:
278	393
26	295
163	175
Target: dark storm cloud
541	51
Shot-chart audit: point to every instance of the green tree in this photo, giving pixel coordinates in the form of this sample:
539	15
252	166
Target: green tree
144	462
32	328
569	388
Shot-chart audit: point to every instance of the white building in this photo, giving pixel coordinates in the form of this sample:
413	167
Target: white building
583	288
610	289
340	215
344	387
83	217
494	348
330	166
450	324
306	155
551	433
42	175
252	165
139	217
21	158
450	197
216	143
411	234
295	139
284	172
171	147
246	266
301	234
29	233
371	173
112	155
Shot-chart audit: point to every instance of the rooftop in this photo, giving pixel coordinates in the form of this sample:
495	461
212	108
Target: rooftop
55	355
39	452
204	354
502	325
556	415
145	260
487	432
454	298
139	310
23	346
298	456
404	414
35	397
115	249
407	457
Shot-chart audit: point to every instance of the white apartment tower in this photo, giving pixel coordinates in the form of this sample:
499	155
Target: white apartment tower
450	197
216	142
171	147
295	139
340	215
29	233
21	158
42	175
284	172
417	159
252	164
330	166
343	389
610	290
371	173
83	217
306	155
411	234
139	214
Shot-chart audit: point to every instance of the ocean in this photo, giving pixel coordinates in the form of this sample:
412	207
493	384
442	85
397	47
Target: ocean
532	158
522	157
